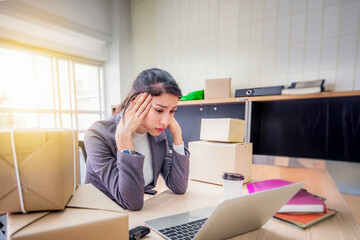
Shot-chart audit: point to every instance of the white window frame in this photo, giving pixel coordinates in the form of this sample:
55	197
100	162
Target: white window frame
71	61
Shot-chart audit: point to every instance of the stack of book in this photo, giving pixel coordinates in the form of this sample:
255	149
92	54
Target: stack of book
303	210
305	87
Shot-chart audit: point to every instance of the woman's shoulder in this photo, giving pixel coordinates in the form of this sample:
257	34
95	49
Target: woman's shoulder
99	139
103	128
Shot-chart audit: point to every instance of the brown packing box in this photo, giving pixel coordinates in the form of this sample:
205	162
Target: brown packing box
208	160
88	215
46	169
222	129
217	88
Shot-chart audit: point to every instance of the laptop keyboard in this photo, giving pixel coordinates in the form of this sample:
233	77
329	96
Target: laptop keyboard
185	231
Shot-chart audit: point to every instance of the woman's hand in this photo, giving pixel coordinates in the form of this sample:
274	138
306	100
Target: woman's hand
175	129
131	121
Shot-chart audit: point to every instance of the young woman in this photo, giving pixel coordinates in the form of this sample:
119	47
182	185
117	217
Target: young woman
126	153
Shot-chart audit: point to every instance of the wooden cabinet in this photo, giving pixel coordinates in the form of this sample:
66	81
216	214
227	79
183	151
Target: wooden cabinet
189	117
324	125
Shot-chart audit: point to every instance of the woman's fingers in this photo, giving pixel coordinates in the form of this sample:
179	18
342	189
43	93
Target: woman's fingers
143	114
136	103
137	110
143	106
133	102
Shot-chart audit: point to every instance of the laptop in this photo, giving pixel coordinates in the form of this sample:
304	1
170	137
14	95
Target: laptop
230	218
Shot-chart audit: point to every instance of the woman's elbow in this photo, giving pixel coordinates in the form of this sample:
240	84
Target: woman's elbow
180	189
129	199
135	206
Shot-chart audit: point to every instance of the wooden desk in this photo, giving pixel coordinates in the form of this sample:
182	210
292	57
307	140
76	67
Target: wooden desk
318	181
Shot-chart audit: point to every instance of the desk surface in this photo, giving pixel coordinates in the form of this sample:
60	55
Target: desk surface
342	226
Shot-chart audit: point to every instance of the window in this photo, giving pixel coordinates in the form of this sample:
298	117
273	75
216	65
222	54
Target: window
49	91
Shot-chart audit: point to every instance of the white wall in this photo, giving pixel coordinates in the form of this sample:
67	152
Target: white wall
126	47
144	34
119	65
258	42
86	15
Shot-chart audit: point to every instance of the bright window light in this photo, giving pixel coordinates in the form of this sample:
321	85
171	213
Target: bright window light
47	91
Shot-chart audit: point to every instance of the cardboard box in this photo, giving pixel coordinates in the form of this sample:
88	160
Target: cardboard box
88	215
217	88
222	129
209	160
48	172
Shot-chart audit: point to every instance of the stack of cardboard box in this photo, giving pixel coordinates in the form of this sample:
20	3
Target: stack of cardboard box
221	149
217	88
39	177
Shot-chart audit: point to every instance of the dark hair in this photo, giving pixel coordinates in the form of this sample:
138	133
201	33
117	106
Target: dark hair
153	81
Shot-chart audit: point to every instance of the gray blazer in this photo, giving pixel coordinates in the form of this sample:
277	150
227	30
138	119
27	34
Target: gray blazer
120	176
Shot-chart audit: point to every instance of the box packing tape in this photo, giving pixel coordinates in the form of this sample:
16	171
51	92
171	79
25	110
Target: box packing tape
39	167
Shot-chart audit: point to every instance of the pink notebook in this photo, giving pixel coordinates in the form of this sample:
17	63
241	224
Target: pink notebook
301	202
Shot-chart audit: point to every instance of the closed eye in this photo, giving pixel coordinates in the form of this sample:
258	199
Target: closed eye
158	110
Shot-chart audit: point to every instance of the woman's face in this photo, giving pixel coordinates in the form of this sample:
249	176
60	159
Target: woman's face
160	114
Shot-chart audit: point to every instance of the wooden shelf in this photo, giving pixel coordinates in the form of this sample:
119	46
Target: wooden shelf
270	98
265	98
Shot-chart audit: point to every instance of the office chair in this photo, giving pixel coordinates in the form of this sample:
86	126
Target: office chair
82	147
83	150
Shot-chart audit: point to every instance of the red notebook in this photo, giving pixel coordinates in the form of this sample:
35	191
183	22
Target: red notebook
302	201
304	220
